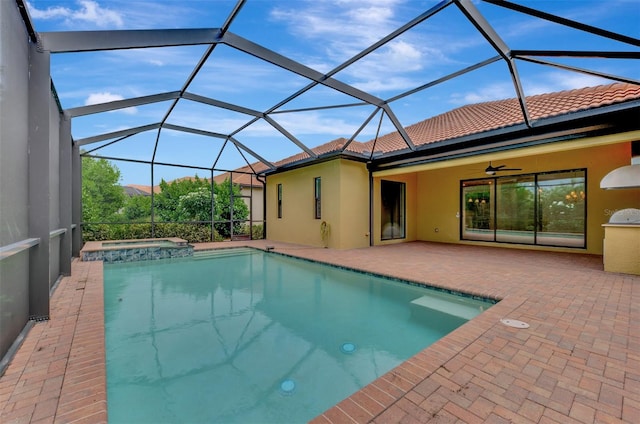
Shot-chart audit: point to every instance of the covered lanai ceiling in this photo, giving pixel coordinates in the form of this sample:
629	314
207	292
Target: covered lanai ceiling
270	79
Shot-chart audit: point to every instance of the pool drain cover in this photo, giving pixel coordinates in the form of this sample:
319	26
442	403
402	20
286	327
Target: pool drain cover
348	348
514	323
287	387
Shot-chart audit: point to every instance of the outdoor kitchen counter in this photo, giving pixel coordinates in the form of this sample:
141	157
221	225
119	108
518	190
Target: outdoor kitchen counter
622	248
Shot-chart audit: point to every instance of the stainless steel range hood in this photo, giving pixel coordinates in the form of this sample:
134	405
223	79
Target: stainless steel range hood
626	176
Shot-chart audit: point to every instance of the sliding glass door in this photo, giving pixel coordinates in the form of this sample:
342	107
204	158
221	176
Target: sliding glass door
544	209
477	205
515	204
562	209
392	214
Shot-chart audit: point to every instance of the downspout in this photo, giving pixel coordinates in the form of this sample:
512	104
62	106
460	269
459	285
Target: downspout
370	208
213	209
264	206
153	224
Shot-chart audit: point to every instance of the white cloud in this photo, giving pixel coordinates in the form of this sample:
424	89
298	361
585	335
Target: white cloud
570	81
87	11
106	97
543	83
96	98
315	123
550	82
496	91
345	27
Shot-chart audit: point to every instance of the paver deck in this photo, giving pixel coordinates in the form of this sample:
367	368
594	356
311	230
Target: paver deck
578	362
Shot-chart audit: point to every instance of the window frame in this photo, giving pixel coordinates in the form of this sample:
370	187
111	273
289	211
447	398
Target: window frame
317	197
279	200
493	181
402	213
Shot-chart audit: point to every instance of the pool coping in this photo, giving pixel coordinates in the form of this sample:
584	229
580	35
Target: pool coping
58	374
93	246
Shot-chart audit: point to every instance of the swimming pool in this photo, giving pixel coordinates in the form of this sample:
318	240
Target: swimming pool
249	336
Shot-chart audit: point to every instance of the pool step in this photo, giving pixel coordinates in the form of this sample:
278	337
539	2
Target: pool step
219	253
459	310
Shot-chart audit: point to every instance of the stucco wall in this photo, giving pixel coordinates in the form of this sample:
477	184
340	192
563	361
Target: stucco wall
345	205
439	199
433	194
354	203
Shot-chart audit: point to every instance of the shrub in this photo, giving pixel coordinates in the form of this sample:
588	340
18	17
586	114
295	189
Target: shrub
257	232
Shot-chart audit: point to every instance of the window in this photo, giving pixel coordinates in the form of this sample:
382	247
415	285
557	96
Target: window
393	210
279	200
477	218
542	209
317	198
515	209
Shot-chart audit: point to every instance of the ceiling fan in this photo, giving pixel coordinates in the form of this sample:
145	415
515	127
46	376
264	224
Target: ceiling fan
491	170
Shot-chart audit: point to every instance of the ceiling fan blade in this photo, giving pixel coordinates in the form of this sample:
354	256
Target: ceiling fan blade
491	170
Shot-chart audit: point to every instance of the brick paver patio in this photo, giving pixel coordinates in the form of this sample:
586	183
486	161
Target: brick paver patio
578	362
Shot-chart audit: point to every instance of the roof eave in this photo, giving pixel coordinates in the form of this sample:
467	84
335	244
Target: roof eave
605	119
325	157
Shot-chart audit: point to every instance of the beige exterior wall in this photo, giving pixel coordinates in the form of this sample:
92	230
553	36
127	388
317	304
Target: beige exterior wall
254	201
433	194
345	205
438	186
354	202
622	249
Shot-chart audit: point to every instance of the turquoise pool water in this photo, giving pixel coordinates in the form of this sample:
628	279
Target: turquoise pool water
257	337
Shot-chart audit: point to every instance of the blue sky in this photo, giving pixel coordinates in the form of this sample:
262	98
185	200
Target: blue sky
320	35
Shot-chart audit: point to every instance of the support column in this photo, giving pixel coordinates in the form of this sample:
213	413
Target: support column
39	196
65	194
76	200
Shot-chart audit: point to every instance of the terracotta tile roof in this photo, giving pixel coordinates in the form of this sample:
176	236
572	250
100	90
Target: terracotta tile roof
332	146
144	188
243	176
467	120
481	117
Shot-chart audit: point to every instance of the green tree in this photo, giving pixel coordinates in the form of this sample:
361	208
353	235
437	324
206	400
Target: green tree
167	202
189	199
137	208
102	196
196	205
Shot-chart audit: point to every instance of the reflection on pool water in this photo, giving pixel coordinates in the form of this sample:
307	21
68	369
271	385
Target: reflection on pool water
257	337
